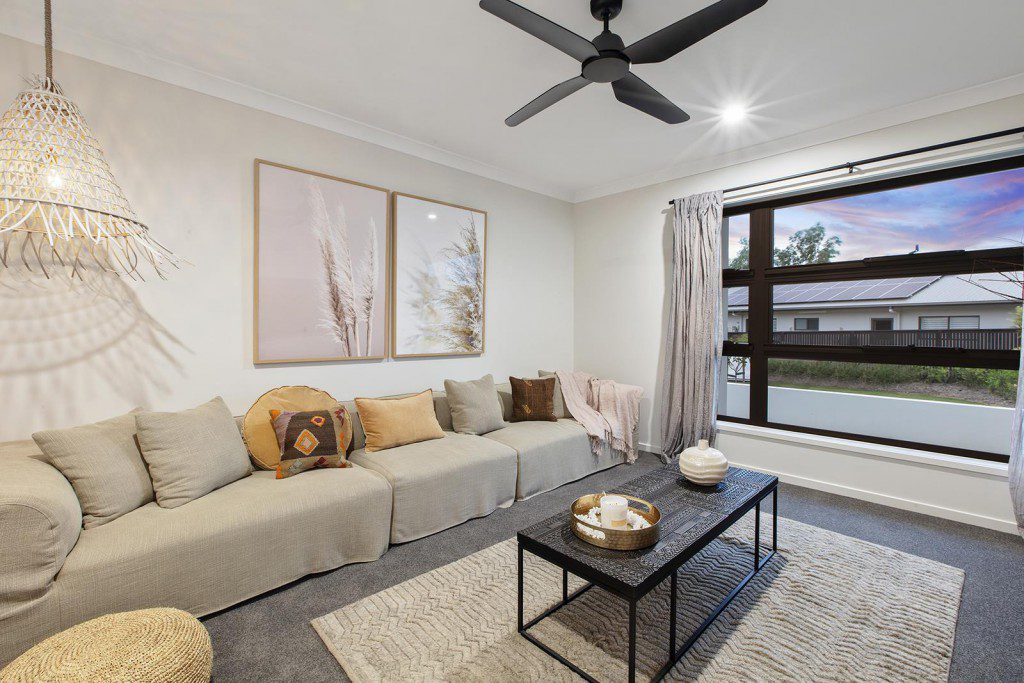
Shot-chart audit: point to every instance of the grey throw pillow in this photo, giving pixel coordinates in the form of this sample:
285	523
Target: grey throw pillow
560	410
476	408
191	452
103	465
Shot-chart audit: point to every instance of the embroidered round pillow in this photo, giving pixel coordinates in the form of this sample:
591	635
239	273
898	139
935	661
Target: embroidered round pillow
258	426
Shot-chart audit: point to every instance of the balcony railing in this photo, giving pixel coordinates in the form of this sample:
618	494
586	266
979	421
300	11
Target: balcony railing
1006	339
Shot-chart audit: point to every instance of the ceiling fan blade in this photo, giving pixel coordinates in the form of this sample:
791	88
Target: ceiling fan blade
632	90
676	37
551	33
555	94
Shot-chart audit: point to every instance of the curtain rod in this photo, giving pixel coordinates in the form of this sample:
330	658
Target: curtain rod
852	165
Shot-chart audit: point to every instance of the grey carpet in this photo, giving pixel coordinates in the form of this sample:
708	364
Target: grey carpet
269	638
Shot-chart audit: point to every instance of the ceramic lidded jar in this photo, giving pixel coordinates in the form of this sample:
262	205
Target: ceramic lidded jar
702	464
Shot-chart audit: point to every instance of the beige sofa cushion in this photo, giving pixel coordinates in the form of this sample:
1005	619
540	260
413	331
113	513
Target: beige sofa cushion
390	422
551	454
243	539
191	452
103	464
438	484
560	409
476	408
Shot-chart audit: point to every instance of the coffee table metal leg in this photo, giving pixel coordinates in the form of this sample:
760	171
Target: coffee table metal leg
757	536
565	586
775	519
520	606
672	615
632	641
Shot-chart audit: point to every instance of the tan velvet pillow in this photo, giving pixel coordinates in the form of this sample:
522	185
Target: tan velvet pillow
391	422
258	429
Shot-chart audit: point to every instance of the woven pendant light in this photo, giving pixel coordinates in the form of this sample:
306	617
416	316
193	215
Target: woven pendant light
60	207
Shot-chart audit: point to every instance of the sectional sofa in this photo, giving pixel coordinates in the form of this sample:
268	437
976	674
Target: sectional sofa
259	532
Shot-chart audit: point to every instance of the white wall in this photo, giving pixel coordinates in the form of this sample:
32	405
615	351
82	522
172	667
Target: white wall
185	161
975	493
622	247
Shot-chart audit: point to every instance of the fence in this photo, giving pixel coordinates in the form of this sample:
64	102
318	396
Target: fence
973	340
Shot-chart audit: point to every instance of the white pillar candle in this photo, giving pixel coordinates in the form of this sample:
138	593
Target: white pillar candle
613	512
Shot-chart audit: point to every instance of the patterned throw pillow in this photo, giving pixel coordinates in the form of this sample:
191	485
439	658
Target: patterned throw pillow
312	439
533	399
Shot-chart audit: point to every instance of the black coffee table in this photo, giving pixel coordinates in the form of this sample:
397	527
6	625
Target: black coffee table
691	517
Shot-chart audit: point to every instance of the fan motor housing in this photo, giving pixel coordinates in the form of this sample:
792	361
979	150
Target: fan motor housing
611	64
606	68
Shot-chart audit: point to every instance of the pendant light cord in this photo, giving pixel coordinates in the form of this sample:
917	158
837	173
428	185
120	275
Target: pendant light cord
48	37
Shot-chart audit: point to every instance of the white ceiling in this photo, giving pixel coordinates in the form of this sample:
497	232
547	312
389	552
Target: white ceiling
437	78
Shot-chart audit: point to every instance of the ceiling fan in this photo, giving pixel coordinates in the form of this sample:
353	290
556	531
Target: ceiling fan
606	59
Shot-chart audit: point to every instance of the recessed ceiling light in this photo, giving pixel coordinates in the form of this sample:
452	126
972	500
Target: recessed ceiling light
432	216
734	113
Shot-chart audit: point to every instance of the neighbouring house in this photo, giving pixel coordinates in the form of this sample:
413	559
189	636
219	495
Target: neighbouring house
948	302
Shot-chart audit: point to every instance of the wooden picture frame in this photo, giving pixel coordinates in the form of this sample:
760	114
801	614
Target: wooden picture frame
442	251
300	315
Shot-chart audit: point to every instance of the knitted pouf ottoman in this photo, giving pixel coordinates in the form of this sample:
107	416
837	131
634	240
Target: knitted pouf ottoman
145	646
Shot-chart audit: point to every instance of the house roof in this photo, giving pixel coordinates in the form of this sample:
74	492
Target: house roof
946	289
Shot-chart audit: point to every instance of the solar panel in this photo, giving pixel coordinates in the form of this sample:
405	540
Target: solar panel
852	290
739	296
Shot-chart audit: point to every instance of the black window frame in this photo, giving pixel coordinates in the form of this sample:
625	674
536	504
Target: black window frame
762	275
891	321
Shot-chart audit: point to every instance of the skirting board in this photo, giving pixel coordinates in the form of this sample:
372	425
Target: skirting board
881	499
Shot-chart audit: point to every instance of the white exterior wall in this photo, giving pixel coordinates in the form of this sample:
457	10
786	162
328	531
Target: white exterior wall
992	316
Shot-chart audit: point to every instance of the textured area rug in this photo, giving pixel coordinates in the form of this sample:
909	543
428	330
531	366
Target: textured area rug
826	608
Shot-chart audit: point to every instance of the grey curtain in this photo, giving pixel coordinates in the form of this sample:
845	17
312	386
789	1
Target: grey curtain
693	340
1017	452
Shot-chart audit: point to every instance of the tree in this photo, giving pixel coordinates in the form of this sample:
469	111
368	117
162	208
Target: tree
804	247
741	261
808	246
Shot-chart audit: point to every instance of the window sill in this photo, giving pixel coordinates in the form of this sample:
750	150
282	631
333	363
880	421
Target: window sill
953	462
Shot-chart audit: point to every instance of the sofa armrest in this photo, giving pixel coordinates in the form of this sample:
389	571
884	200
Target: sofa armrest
40	521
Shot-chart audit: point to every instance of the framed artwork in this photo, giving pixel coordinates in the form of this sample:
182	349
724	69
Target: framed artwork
439	270
321	260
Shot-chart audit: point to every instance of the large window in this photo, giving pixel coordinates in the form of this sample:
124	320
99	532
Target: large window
888	311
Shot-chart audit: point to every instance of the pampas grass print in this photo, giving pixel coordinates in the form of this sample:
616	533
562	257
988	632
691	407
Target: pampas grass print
348	305
451	316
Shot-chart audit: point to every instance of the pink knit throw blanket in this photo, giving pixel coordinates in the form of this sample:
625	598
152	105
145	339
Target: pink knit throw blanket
609	411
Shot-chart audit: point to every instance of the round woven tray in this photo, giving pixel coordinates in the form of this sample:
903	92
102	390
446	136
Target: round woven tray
616	539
